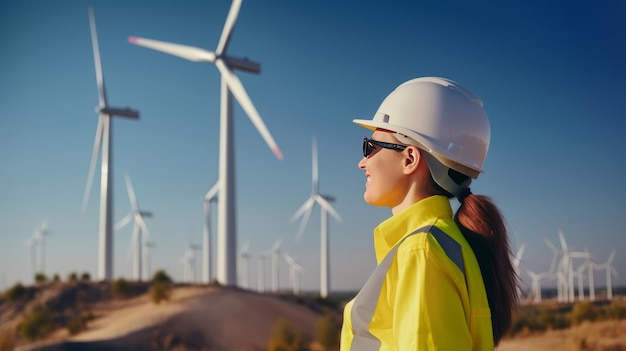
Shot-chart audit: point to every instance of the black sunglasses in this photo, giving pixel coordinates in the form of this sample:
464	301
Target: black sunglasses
368	146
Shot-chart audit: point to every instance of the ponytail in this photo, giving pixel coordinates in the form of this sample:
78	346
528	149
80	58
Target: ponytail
484	228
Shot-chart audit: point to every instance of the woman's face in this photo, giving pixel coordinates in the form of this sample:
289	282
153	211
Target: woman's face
386	184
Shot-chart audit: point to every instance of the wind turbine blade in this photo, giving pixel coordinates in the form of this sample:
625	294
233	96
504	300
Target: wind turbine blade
305	209
92	165
222	46
276	245
96	57
131	193
213	192
562	240
550	245
322	201
315	176
124	221
244	247
288	258
611	257
190	53
520	252
237	89
129	249
143	226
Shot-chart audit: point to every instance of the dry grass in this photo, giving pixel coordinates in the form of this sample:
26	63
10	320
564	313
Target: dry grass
598	336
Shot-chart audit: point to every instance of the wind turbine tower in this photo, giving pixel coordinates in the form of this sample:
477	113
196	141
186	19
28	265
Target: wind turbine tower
147	247
261	273
305	210
244	274
103	140
230	85
294	269
209	199
37	244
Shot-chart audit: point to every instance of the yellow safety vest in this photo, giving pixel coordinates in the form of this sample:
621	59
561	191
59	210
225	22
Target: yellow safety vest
426	293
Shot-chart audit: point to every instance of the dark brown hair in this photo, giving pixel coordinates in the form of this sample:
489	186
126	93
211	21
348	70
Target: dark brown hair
484	228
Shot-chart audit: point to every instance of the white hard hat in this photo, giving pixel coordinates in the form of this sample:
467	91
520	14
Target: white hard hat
441	117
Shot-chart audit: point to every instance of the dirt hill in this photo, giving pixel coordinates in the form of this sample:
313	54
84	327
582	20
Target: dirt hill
194	318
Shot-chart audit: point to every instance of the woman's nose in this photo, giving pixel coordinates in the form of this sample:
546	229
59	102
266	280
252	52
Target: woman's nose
361	163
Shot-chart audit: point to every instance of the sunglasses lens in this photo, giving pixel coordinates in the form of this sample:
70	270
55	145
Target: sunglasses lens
367	147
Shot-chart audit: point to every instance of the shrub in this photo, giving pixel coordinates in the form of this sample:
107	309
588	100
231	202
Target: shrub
72	277
40	278
583	311
161	276
121	288
160	291
16	292
551	318
56	278
161	286
36	325
85	276
328	330
616	310
284	338
78	323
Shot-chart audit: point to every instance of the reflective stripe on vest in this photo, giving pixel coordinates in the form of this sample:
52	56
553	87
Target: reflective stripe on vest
365	302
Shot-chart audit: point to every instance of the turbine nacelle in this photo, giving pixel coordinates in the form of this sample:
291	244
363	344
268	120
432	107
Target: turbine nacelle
121	112
145	214
242	64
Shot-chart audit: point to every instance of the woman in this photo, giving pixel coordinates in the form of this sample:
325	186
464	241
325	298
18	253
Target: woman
443	281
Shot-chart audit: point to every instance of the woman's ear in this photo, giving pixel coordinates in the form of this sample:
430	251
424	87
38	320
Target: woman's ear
412	159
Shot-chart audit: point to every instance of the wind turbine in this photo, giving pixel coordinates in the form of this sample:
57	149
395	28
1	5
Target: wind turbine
516	262
103	141
38	247
592	288
230	85
244	266
147	246
294	269
560	260
578	273
274	252
189	262
305	210
261	273
610	270
32	246
139	228
209	198
536	284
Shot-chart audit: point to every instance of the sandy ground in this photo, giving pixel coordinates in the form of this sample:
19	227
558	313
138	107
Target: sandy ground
127	317
195	318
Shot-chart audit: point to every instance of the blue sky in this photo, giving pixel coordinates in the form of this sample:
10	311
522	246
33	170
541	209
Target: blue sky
551	77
